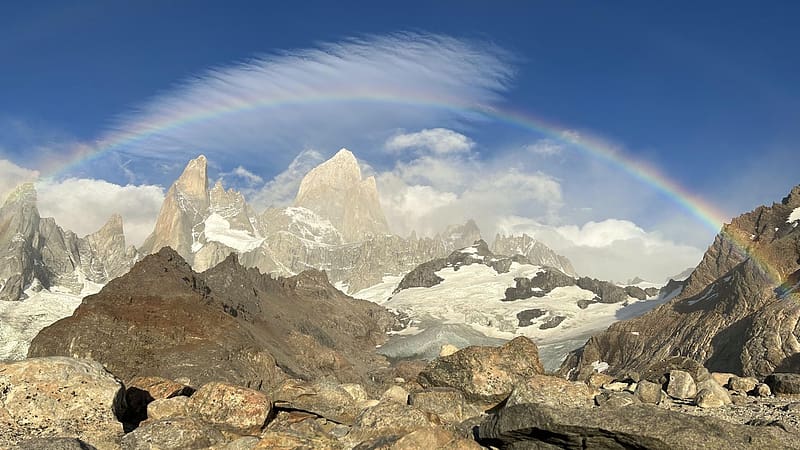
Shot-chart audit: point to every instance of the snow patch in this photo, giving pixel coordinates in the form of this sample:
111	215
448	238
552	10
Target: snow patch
218	229
794	216
600	366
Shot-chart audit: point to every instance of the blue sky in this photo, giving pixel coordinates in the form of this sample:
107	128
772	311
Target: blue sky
707	94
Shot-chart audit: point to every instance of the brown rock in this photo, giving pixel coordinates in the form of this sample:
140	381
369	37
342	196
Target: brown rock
649	392
485	374
722	378
763	390
48	397
234	408
719	391
395	394
551	390
172	434
433	438
390	418
707	398
447	403
323	398
742	384
597	379
164	408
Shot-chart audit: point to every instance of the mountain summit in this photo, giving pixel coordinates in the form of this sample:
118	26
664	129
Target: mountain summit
335	190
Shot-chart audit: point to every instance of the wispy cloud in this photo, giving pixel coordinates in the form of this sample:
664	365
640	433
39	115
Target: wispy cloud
354	94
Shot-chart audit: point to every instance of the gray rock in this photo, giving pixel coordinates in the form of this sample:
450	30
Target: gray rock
173	434
742	384
784	383
681	385
708	398
636	292
447	403
635	426
719	391
649	392
526	317
551	390
536	252
616	399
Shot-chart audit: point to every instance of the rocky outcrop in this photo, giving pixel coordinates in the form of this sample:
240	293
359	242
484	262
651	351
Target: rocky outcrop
424	275
485	374
262	328
533	425
335	190
51	397
535	251
737	312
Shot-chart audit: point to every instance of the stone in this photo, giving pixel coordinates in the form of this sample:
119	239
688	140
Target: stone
718	391
531	425
616	386
433	438
143	390
485	374
395	394
616	399
356	391
551	390
707	398
323	398
649	392
598	379
784	383
172	434
390	418
681	385
742	384
447	350
164	408
229	407
722	378
763	390
289	440
59	396
55	443
447	403
242	443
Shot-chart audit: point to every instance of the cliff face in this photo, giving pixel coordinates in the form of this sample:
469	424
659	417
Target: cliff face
38	254
738	310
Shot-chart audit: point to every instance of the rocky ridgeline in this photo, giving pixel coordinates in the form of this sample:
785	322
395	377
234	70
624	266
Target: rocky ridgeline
478	397
739	311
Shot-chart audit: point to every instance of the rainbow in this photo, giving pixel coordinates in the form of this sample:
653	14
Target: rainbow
703	211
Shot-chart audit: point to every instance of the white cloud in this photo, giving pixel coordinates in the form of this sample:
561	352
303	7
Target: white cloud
281	190
240	172
437	140
611	249
12	175
84	205
545	147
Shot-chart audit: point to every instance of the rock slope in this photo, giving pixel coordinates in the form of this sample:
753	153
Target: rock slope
228	323
738	311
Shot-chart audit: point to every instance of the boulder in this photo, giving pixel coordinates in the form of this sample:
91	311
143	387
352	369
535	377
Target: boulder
55	443
597	379
635	426
742	384
551	390
173	434
59	396
719	391
784	383
649	392
164	408
323	398
763	390
447	350
485	374
616	399
395	394
390	418
143	390
242	443
229	407
659	372
447	403
722	377
708	398
433	438
681	385
288	440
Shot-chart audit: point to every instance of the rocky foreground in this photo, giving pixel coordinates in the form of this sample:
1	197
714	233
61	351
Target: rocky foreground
478	397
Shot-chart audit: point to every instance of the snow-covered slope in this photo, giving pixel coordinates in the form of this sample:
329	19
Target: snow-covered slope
467	308
794	216
22	320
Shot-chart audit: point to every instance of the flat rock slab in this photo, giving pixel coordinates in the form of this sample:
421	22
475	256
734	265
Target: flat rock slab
636	426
